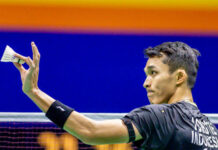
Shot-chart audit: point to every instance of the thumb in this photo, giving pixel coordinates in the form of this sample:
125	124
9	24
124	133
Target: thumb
19	67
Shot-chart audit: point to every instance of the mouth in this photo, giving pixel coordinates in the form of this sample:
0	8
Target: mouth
149	94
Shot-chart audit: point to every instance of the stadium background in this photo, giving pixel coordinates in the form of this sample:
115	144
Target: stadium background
92	51
92	56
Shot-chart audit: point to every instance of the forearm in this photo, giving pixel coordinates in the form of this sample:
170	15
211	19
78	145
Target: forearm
80	126
41	99
96	132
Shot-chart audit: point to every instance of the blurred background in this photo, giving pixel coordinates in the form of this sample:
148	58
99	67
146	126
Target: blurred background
92	50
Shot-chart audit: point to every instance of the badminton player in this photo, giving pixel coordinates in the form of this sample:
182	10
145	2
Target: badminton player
172	121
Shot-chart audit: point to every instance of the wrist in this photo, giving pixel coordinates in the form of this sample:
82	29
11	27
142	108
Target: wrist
59	113
32	93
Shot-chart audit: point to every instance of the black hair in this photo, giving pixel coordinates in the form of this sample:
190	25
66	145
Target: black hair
179	55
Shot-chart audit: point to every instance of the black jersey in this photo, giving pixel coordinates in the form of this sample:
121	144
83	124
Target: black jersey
179	126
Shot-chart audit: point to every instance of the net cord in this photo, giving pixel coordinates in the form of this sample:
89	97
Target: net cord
40	117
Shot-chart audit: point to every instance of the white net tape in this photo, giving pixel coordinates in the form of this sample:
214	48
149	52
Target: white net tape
40	117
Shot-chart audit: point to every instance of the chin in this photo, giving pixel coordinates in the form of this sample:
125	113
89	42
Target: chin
154	101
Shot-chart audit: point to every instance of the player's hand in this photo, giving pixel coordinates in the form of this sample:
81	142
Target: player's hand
29	77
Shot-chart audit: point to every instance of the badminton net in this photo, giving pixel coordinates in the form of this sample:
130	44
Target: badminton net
33	131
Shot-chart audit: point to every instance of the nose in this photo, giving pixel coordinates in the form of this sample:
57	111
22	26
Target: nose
147	83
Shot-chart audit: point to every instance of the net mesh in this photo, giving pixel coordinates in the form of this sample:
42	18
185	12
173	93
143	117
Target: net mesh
33	131
38	136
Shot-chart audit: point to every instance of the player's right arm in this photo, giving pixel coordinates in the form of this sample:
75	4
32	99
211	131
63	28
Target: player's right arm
98	132
87	130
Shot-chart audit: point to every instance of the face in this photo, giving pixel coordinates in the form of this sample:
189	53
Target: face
160	84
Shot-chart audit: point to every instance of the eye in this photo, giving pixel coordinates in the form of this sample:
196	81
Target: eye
153	72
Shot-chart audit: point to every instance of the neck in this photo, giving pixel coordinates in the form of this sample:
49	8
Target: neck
182	93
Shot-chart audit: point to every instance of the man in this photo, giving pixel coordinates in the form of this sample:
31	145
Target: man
171	122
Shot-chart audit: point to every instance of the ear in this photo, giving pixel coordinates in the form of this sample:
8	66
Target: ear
181	76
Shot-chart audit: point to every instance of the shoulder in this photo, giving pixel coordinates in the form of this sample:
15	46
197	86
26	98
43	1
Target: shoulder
153	108
153	121
156	113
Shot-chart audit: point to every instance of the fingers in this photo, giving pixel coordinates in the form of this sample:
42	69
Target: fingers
36	55
19	66
27	60
31	63
20	56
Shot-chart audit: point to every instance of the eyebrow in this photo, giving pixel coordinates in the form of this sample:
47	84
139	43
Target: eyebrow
150	67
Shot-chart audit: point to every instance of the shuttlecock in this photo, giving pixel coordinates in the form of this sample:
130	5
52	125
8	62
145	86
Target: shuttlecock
8	56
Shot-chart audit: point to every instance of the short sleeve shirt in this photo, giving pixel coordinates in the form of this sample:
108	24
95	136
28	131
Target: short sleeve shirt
179	126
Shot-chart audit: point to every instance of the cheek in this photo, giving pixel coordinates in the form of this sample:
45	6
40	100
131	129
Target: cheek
164	85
